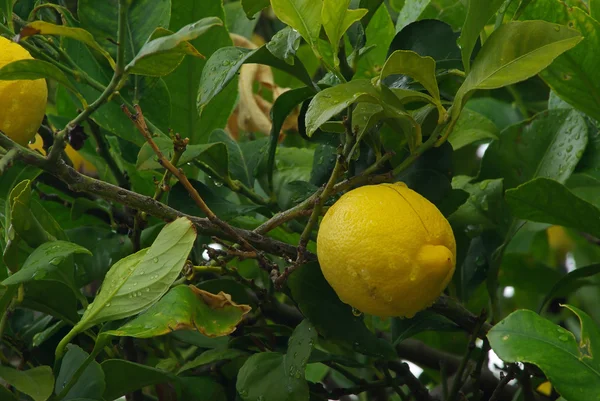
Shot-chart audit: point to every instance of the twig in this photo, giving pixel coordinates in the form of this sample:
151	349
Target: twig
458	379
102	149
7	160
394	385
478	369
504	380
115	83
418	390
140	123
460	315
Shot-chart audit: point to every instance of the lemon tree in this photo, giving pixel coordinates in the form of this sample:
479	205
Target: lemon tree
289	200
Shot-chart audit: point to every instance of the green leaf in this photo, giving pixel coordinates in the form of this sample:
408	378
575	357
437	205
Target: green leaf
142	18
411	12
472	127
485	207
526	337
89	385
514	52
161	56
62	304
478	14
282	107
251	7
185	79
371	6
452	12
548	201
139	280
37	382
225	63
422	321
569	281
595	9
421	69
239	167
6	7
332	318
37	69
124	377
186	308
379	33
45	259
284	44
271	376
81	35
548	145
210	356
336	19
302	15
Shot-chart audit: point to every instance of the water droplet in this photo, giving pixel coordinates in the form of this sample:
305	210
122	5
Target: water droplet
55	261
134	284
569	148
155	260
297	375
505	338
139	293
356	312
480	261
107	304
579	154
557	28
563	338
566	77
483	185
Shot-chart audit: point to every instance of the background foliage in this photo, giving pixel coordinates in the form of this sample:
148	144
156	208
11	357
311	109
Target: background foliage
489	109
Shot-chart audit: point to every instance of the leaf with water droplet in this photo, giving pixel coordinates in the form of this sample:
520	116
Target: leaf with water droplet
45	260
171	247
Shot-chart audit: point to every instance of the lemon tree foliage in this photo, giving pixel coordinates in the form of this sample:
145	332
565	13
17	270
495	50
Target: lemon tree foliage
268	200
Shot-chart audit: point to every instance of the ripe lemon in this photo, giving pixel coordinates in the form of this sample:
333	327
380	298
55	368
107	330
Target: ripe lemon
22	103
386	250
559	241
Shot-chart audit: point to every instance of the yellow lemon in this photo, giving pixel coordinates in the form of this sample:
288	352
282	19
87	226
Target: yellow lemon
22	103
386	250
79	163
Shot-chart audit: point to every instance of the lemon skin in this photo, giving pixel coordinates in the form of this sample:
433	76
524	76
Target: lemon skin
23	102
386	250
79	162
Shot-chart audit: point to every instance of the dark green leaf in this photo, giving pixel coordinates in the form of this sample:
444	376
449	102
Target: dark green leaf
45	259
225	63
472	127
124	377
526	337
186	308
422	321
514	52
37	382
411	12
282	107
202	388
91	382
372	6
284	44
239	167
143	17
271	376
573	76
211	356
548	145
485	206
547	201
478	15
185	79
500	113
568	281
332	318
251	7
161	56
62	304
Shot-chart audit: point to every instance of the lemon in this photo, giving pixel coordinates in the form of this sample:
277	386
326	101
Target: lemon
559	240
386	250
22	103
79	162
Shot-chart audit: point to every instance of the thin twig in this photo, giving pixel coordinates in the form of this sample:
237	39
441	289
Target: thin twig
478	370
503	382
418	390
104	152
458	379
